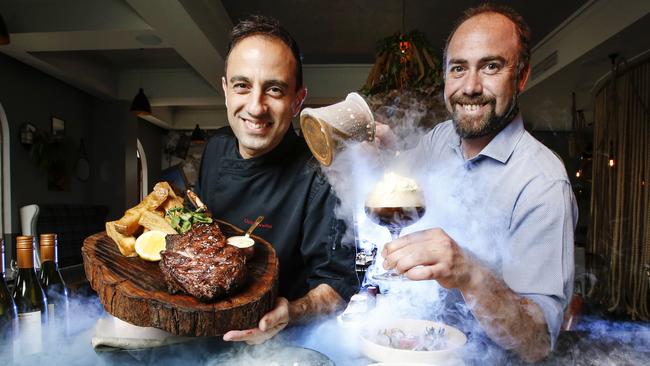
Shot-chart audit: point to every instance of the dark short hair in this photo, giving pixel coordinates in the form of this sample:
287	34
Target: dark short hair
254	25
523	30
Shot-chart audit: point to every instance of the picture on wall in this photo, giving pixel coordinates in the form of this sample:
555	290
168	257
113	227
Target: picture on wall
58	127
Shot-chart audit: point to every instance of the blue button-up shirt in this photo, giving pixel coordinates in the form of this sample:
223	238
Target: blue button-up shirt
511	205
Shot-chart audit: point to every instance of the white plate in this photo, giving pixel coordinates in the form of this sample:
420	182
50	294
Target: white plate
394	356
398	364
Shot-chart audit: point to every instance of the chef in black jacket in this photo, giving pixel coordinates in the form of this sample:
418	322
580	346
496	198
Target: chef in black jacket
258	166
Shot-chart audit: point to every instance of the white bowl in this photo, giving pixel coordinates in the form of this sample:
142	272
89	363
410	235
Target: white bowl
455	340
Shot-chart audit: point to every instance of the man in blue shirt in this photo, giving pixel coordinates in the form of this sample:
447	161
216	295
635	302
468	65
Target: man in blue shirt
518	295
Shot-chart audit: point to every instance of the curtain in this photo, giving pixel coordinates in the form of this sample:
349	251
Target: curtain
619	230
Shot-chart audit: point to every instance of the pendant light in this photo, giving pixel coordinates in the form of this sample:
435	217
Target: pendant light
4	34
140	105
198	135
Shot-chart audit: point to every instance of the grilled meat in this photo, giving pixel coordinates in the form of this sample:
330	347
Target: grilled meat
201	264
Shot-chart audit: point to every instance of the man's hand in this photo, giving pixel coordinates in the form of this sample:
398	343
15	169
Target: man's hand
319	301
385	138
270	324
430	255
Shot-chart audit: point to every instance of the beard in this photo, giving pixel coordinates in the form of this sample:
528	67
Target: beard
469	127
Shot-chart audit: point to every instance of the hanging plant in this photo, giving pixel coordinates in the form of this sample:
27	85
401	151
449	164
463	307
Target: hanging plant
404	61
404	86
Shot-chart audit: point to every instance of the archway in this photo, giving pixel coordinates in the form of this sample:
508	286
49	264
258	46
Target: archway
5	197
143	172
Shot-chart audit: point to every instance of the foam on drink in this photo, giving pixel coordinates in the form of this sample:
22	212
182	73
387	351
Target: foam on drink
395	191
394	203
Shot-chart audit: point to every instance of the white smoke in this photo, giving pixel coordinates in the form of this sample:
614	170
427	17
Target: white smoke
595	342
463	214
272	353
65	337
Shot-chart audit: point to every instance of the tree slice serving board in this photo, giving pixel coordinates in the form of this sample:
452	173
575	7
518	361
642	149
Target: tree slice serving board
133	290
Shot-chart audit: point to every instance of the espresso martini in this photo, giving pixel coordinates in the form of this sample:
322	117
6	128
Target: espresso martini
394	203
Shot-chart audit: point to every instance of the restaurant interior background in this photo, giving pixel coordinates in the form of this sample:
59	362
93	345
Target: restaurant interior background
72	68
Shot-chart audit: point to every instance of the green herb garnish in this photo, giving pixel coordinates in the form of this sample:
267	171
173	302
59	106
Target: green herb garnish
182	219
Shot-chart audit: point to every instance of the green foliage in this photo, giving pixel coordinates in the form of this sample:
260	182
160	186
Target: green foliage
182	218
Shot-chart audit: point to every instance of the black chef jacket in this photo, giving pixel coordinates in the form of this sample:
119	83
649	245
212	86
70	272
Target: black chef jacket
287	187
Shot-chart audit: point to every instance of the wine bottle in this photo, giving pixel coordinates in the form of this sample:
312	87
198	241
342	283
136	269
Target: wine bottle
8	313
30	299
55	289
51	279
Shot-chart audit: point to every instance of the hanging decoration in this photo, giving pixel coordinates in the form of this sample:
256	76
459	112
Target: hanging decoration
404	86
404	62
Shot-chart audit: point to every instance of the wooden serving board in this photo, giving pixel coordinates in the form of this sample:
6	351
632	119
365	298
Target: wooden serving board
133	290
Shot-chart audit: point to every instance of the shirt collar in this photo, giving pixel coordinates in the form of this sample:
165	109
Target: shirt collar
501	146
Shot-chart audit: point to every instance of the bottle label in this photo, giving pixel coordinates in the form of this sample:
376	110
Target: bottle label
29	340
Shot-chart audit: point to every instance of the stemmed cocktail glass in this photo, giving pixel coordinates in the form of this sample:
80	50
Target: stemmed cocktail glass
395	209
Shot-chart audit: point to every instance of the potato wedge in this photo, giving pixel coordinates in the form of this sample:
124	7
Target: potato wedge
160	192
152	221
126	244
172	202
165	185
128	224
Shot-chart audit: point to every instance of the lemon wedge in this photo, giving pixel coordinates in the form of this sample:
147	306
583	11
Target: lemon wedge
150	244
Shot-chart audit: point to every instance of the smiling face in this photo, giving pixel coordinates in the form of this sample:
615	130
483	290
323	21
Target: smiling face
481	81
261	94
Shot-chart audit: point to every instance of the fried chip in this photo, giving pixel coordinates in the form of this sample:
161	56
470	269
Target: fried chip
126	244
152	221
128	224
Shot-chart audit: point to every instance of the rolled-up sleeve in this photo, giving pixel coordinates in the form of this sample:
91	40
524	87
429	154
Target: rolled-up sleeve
540	265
